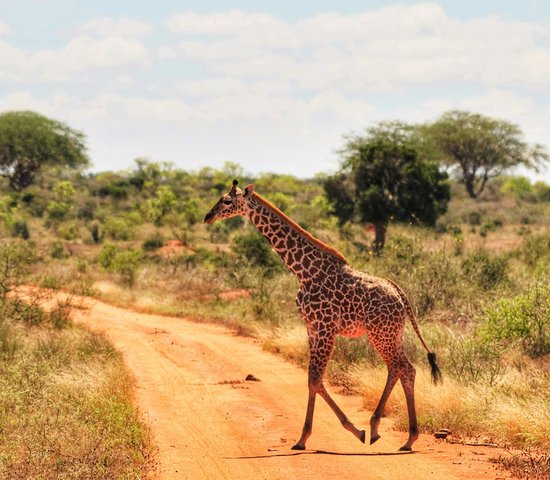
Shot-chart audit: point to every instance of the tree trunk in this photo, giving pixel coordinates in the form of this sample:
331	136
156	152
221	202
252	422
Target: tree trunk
469	182
379	237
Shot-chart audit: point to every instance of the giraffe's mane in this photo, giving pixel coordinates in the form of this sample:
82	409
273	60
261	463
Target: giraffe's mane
315	241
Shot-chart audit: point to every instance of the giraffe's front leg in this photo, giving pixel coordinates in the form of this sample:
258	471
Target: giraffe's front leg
315	373
308	424
320	351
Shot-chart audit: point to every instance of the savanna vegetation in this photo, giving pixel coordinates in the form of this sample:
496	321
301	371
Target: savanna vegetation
476	268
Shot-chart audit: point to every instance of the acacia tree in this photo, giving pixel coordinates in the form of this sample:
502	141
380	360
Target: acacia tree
482	147
30	141
383	179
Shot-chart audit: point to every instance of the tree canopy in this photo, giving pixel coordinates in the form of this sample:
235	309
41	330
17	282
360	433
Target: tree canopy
481	147
29	142
383	180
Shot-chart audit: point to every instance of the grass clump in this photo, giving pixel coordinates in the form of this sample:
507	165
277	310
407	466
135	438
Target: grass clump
65	395
65	403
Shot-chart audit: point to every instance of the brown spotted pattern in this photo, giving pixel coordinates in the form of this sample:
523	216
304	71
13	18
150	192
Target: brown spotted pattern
333	299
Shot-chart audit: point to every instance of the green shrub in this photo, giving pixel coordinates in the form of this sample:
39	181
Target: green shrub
67	230
474	218
86	211
82	265
58	250
154	242
219	232
126	264
542	191
489	226
486	270
535	251
254	249
118	229
519	187
19	228
15	259
472	361
401	253
524	320
57	211
107	254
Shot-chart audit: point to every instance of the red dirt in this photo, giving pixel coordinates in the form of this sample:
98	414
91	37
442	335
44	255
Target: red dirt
171	248
209	423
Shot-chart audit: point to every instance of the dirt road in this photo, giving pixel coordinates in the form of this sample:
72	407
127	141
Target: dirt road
208	423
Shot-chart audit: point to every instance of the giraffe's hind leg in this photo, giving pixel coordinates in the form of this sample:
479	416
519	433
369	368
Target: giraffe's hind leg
378	412
407	375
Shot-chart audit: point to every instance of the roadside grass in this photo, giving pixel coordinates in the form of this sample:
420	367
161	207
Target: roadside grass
65	401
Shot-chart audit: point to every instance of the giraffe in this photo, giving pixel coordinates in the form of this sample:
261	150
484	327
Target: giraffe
334	299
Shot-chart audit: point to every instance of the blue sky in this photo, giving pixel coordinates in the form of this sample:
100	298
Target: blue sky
273	86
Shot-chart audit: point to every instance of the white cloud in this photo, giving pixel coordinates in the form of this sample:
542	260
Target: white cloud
224	86
4	28
499	103
82	54
110	27
264	28
391	46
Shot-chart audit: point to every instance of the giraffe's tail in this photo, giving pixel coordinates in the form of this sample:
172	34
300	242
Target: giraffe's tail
437	376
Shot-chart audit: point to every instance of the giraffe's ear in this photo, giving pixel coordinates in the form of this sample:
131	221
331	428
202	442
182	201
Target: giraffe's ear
248	190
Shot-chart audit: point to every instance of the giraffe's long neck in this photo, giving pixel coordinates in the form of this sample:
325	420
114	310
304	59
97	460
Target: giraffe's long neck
306	256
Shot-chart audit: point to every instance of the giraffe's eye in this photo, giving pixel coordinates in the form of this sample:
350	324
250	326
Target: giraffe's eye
227	201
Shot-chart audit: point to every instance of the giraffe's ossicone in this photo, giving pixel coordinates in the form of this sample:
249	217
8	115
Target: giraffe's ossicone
334	299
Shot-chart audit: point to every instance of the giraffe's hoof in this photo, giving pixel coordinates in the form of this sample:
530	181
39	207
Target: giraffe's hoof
298	447
374	439
405	448
363	436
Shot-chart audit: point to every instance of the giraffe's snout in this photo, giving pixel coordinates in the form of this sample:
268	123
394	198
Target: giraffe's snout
209	217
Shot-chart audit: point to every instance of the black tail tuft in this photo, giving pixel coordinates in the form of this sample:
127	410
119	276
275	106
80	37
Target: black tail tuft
437	377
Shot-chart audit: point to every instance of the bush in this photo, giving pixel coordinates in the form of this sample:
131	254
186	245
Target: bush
256	251
86	211
19	228
524	320
154	242
490	226
118	229
67	230
474	218
126	264
15	259
542	191
487	270
535	251
107	254
519	187
58	250
57	211
474	361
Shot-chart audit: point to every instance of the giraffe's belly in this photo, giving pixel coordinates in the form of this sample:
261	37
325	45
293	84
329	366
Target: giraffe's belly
352	325
353	330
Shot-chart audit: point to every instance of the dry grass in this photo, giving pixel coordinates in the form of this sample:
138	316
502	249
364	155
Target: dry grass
66	406
527	465
504	414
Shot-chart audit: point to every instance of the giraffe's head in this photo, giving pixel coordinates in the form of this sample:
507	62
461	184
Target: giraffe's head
233	203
